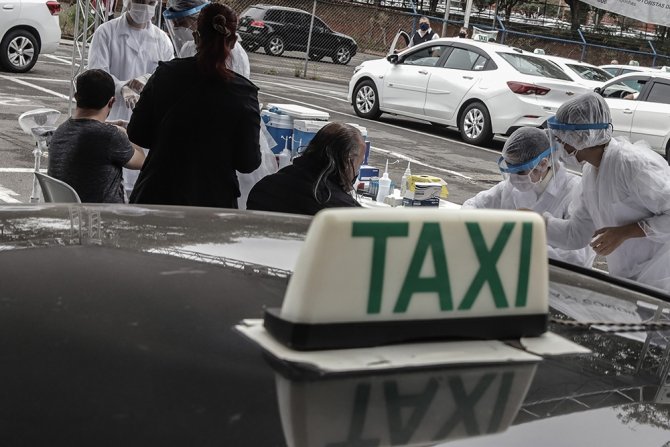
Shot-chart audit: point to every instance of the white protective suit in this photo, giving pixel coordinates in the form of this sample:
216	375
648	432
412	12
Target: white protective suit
559	199
632	184
127	53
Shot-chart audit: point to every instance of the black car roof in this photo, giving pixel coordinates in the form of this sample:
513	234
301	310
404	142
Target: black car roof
117	328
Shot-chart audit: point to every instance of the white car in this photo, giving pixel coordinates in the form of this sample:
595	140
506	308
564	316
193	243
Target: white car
27	28
582	73
640	107
618	70
482	88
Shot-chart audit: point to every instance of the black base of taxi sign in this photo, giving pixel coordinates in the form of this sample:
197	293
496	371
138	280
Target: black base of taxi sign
349	335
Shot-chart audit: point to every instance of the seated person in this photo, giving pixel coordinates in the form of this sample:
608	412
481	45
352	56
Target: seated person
535	180
89	154
322	177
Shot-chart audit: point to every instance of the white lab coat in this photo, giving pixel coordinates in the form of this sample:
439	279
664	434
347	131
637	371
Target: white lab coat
237	62
632	184
559	198
127	53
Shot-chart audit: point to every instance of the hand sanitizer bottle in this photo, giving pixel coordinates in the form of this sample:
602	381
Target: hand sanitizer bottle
384	184
403	182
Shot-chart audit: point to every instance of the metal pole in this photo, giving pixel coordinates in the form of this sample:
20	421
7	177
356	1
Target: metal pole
447	7
34	195
75	49
495	14
466	18
309	39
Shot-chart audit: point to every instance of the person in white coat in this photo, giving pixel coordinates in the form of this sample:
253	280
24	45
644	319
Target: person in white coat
129	49
535	181
624	212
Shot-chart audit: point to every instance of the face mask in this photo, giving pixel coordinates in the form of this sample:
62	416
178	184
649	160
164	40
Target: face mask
141	13
570	160
424	27
521	182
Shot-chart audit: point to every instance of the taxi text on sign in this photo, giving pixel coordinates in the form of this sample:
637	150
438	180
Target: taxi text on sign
419	264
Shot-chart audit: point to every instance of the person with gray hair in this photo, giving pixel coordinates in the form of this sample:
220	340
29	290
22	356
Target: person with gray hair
624	211
535	180
322	177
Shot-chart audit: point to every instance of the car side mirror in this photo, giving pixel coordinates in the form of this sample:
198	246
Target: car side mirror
392	58
598	90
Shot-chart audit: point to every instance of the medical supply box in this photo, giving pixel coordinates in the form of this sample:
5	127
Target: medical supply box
367	172
280	118
413	180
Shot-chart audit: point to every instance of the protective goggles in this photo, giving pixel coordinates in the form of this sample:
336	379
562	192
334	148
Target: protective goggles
169	14
554	124
526	167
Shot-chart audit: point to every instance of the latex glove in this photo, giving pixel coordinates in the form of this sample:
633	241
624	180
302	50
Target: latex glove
608	239
130	97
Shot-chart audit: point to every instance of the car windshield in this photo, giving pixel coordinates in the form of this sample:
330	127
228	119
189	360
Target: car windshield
590	73
254	13
534	66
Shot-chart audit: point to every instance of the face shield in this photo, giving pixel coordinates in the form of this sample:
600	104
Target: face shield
180	26
576	137
528	175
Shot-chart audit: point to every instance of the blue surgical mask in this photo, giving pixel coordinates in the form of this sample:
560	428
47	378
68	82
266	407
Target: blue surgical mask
424	26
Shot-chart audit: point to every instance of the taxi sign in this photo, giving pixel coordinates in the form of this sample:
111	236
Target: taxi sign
375	277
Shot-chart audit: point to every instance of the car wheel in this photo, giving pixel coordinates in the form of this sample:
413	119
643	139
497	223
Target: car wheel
667	152
475	124
366	100
19	51
342	56
315	57
275	46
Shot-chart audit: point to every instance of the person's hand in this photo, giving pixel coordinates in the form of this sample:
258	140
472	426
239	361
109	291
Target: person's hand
130	97
608	239
135	84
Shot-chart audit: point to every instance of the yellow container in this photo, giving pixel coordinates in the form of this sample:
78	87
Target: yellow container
412	180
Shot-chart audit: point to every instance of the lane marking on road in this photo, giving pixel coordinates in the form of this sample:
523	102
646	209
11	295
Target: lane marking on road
383	123
19	170
36	87
60	59
491	151
6	195
32	78
301	90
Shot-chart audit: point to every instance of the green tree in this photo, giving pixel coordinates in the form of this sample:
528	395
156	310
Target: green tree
578	13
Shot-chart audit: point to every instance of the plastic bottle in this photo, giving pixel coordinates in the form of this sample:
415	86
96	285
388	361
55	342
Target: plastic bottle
403	181
384	184
284	158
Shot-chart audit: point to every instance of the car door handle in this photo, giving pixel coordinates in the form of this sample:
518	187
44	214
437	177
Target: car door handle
7	6
468	77
423	72
627	111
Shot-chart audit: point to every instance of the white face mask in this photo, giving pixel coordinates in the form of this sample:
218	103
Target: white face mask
570	160
521	182
141	13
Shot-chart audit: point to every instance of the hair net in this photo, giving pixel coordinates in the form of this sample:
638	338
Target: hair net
184	5
525	144
589	108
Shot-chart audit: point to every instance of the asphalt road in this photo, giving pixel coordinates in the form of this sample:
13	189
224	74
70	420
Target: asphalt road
467	169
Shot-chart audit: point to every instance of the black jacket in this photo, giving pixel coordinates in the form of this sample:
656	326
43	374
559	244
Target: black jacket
199	132
291	190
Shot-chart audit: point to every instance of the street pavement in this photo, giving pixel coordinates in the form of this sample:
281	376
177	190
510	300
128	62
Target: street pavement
431	150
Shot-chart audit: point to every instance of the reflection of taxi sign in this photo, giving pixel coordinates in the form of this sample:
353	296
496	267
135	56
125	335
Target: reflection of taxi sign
392	276
407	408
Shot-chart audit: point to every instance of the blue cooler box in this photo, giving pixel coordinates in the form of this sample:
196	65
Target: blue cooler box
280	127
303	132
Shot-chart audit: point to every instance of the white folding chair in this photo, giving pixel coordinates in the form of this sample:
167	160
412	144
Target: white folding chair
56	191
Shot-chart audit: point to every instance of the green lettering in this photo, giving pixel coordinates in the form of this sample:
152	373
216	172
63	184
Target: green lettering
357	423
501	402
379	232
487	265
524	264
430	238
414	405
464	405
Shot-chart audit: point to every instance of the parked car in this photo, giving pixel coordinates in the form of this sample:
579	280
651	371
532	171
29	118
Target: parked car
28	28
481	88
582	73
119	327
278	29
640	105
618	70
